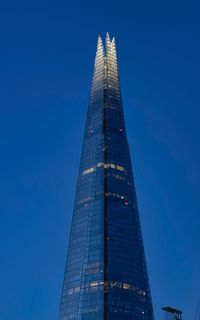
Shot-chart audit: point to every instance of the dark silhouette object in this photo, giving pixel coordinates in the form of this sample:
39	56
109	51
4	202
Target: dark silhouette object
172	313
197	317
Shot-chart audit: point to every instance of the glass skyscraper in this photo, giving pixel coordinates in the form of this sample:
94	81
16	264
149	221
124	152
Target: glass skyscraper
106	275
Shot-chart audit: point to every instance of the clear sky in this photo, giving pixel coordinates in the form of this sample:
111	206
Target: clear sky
47	53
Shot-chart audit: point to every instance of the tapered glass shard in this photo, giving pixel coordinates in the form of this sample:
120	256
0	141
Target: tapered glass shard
106	275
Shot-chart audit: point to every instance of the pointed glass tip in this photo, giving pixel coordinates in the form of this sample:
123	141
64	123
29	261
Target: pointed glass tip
107	36
99	38
109	39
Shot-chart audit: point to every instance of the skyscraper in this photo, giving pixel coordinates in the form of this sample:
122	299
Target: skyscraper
106	276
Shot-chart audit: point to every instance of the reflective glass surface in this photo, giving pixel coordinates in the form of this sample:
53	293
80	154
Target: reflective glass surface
106	275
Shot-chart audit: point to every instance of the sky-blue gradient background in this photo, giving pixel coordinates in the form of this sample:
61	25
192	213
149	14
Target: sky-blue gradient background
47	51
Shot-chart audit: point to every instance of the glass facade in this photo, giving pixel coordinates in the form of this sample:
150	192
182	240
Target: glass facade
105	276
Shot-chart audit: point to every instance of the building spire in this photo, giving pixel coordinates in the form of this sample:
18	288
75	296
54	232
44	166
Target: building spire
106	275
108	43
100	51
107	37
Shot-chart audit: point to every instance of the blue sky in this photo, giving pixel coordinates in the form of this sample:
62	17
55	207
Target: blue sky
47	53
